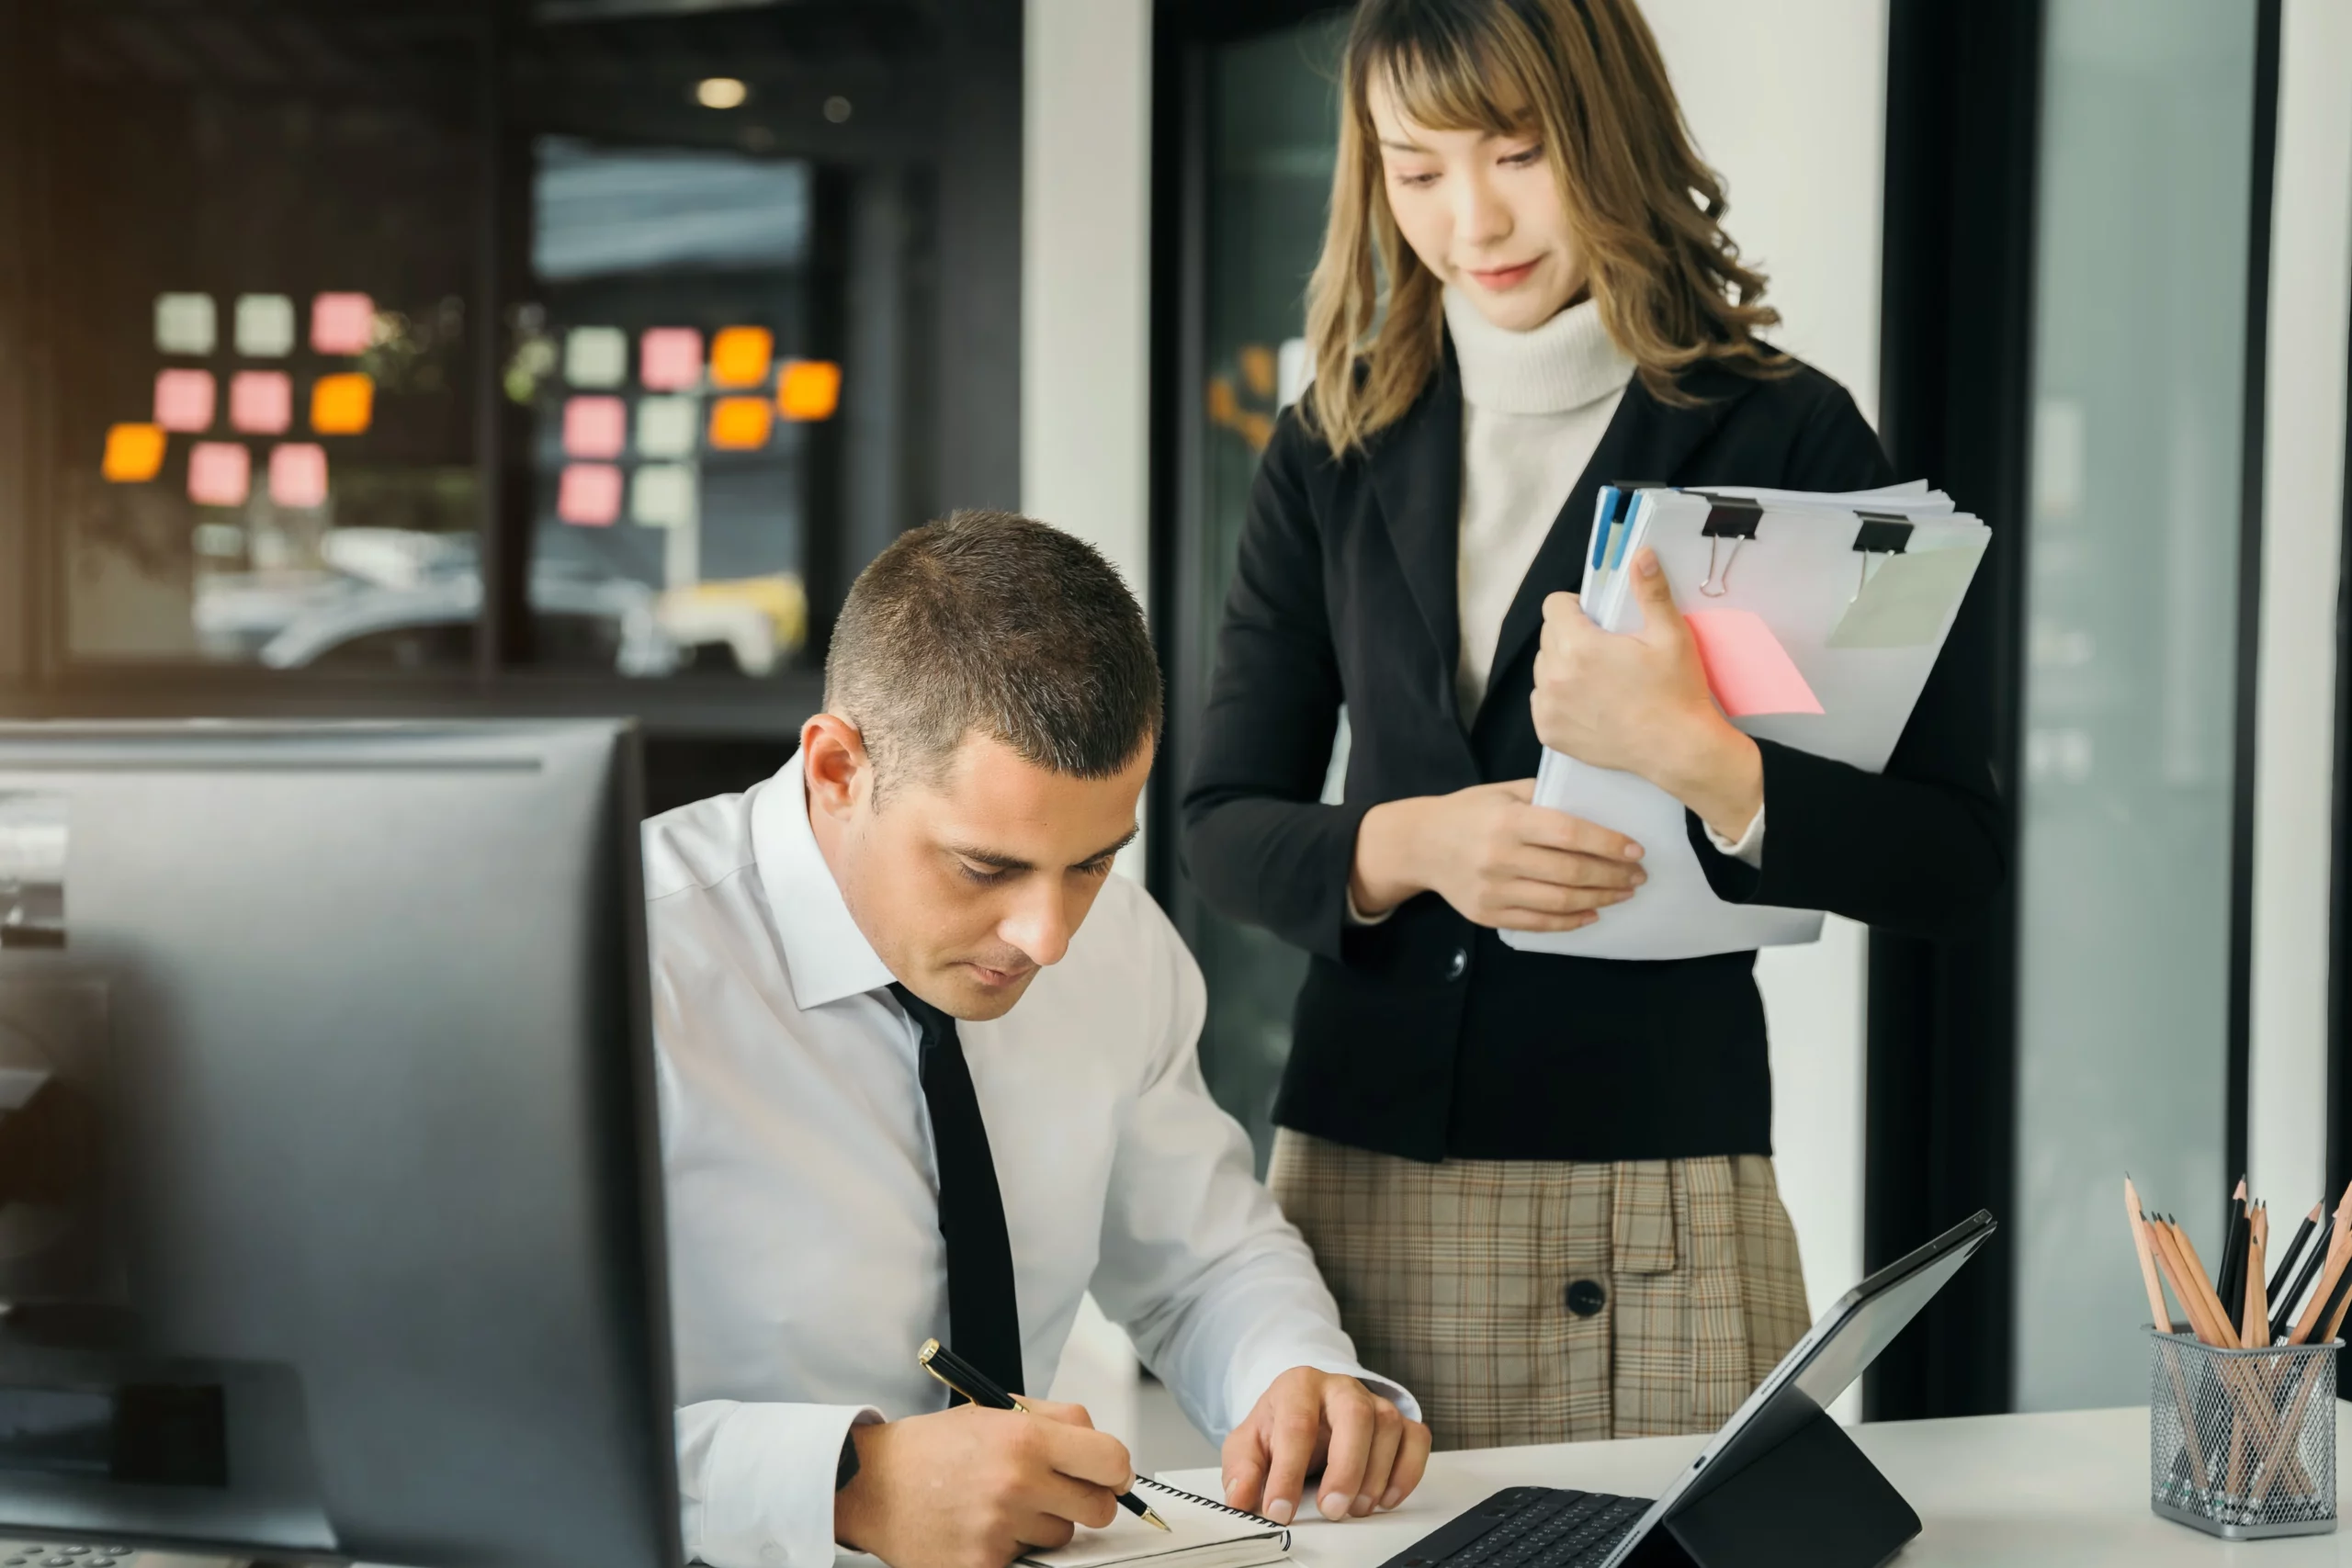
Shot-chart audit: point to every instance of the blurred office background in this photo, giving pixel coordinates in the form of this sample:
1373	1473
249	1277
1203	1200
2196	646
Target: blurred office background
401	357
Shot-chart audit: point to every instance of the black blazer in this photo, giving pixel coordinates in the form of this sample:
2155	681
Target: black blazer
1424	1035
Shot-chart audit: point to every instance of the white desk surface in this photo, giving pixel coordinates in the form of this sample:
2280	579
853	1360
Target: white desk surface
2022	1491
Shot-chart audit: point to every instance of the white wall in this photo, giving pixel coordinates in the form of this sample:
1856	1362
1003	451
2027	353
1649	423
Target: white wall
1086	275
2311	289
1787	101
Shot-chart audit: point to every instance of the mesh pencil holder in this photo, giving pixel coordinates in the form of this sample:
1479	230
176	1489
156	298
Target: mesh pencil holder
2242	1443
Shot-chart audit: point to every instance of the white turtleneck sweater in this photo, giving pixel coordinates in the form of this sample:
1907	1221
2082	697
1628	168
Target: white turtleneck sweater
1534	406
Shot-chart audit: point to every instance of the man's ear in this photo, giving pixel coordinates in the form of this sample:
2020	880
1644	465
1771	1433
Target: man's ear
833	763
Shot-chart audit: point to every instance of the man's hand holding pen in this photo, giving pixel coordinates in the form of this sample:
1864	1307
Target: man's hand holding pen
974	1488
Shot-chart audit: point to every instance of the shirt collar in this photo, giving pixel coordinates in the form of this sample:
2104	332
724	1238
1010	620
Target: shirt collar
825	956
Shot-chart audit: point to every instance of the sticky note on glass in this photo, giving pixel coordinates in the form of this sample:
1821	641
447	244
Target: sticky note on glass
265	326
297	474
662	495
185	324
1748	668
666	427
184	400
594	426
668	359
134	454
738	357
595	356
342	324
1907	599
808	388
261	402
589	495
220	473
343	404
740	424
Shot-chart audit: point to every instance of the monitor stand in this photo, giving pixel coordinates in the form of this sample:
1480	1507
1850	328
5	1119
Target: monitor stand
1810	1501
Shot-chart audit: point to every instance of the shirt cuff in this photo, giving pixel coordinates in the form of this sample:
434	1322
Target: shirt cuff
1358	917
763	1497
1749	848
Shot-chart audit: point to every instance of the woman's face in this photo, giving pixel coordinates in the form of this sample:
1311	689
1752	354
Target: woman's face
1483	213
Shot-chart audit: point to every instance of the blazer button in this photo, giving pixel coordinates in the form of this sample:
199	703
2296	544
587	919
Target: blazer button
1586	1297
1459	964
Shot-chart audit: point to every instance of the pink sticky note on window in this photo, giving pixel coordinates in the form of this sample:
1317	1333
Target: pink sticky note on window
220	473
297	474
184	400
589	495
261	402
594	426
1748	668
340	323
668	359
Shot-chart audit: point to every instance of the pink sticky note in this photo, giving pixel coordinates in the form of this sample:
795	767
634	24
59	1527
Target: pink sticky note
184	400
668	359
1748	668
594	426
261	402
340	323
220	473
297	474
589	495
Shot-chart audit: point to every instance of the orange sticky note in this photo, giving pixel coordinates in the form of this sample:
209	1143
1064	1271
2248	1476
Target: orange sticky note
1748	668
808	388
134	454
343	404
738	357
740	424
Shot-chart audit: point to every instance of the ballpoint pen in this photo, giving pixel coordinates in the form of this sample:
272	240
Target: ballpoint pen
963	1378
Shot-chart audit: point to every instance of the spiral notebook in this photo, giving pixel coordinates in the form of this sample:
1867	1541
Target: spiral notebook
1201	1534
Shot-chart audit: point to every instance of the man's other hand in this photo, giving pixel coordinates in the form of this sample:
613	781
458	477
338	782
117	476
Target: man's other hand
973	1488
1365	1453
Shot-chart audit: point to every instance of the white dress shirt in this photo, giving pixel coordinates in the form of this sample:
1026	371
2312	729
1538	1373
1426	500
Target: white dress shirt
806	1261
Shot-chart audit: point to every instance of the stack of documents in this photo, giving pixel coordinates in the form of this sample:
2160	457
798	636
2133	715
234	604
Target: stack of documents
1819	617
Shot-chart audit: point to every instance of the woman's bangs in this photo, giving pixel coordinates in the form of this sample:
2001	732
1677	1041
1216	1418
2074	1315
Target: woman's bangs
1441	80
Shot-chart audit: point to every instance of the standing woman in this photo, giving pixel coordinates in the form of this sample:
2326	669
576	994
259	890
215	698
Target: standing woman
1540	1187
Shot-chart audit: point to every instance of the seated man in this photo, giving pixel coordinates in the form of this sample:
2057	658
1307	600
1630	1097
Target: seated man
911	1089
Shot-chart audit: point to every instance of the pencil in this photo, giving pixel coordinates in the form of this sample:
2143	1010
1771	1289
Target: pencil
2158	1317
2253	1322
2294	1253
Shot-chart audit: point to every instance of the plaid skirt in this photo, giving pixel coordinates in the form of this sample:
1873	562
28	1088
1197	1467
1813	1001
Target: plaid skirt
1553	1301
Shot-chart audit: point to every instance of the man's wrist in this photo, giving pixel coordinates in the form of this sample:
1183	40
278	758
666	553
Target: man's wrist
851	1489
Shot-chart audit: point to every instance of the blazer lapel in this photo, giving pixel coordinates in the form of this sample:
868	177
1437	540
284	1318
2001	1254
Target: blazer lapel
1647	441
1415	471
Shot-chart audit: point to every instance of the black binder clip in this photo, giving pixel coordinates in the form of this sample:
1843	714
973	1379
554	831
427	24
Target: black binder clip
1730	520
1878	535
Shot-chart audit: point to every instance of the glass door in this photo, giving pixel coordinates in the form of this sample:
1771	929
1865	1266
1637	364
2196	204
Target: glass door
1257	137
2131	860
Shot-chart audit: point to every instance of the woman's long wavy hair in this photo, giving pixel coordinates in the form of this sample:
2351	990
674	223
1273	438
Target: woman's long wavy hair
1585	77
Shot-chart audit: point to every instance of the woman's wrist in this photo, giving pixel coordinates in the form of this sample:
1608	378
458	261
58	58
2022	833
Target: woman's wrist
1718	774
1382	875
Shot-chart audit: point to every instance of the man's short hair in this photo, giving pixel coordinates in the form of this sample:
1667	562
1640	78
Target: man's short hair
994	622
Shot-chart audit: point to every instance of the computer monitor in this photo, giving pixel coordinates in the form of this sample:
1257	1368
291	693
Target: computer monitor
330	1202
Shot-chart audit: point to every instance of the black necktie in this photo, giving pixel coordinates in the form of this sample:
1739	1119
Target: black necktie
983	1316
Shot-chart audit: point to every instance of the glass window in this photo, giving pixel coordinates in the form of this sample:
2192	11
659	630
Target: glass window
2130	718
262	244
683	311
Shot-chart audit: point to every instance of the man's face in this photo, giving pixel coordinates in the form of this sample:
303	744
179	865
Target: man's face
968	884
